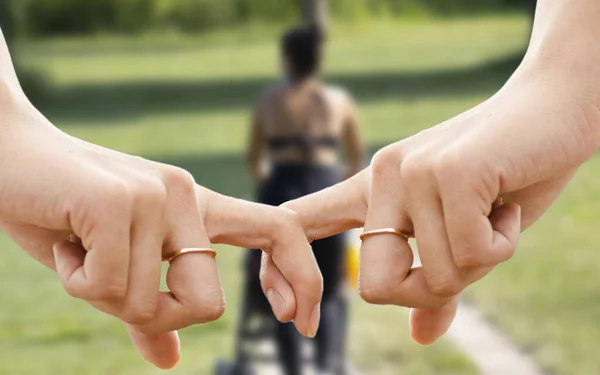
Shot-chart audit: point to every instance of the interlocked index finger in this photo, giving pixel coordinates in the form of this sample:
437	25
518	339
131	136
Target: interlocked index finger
334	210
278	232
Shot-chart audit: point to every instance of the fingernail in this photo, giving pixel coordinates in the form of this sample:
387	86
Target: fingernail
277	302
313	322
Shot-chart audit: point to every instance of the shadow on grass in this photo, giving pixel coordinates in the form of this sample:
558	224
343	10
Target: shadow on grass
225	173
123	101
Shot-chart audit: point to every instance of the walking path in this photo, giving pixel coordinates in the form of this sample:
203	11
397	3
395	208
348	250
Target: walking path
487	347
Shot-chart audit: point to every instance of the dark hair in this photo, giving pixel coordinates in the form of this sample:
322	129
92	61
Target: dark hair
302	47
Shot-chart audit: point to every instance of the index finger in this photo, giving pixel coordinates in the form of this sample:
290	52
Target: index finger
336	209
278	232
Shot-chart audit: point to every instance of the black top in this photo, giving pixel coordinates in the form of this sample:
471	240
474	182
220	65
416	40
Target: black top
306	143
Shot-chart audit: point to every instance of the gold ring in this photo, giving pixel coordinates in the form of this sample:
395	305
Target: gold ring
376	232
191	250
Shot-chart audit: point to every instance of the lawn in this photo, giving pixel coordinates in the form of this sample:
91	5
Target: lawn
548	296
186	101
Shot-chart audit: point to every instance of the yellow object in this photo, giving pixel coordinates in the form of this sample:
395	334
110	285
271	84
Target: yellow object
352	264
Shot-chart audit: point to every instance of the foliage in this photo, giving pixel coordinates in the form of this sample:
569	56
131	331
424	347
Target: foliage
48	17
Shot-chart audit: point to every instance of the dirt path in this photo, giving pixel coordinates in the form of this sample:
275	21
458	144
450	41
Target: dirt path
487	347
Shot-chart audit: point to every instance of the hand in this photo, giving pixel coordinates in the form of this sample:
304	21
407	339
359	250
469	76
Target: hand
443	185
131	213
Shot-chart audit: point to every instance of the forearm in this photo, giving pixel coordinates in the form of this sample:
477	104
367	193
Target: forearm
10	90
14	105
566	36
563	58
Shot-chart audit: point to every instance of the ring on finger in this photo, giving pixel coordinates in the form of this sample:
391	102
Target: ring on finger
190	250
376	232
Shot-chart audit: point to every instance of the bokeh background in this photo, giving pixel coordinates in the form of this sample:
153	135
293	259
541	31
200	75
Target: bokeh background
175	80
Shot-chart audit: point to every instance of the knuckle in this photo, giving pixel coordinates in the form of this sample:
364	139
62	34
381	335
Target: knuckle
386	160
154	191
468	259
379	285
209	308
288	219
508	253
282	224
117	192
375	296
312	282
180	180
217	310
137	315
72	291
375	292
413	168
448	166
111	290
445	286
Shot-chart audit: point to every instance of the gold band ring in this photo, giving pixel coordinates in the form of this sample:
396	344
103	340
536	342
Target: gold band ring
191	250
376	232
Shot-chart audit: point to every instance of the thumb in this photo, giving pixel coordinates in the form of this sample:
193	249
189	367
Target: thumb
336	209
429	324
162	350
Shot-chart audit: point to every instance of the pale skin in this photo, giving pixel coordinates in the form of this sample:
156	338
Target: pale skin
104	221
524	144
443	185
282	108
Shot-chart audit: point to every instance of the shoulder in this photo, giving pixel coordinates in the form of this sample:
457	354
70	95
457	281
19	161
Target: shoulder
342	100
339	94
267	94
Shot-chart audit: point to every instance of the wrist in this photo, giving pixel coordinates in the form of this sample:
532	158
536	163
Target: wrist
562	59
567	104
16	111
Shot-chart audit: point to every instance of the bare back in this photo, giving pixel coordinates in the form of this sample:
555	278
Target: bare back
311	112
306	123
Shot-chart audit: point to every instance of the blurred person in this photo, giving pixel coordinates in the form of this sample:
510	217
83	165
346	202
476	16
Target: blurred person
442	185
299	126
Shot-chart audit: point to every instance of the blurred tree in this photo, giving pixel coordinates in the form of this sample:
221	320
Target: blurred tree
33	82
314	12
33	18
5	23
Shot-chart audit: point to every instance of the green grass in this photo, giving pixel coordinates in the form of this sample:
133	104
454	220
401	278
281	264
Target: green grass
186	101
548	296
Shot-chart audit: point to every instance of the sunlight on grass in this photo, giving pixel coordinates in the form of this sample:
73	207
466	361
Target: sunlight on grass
547	297
186	101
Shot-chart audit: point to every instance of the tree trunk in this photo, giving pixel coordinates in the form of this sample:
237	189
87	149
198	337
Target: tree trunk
5	24
2	14
314	12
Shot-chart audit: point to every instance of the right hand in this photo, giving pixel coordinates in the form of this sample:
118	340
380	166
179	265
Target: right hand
442	185
131	213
